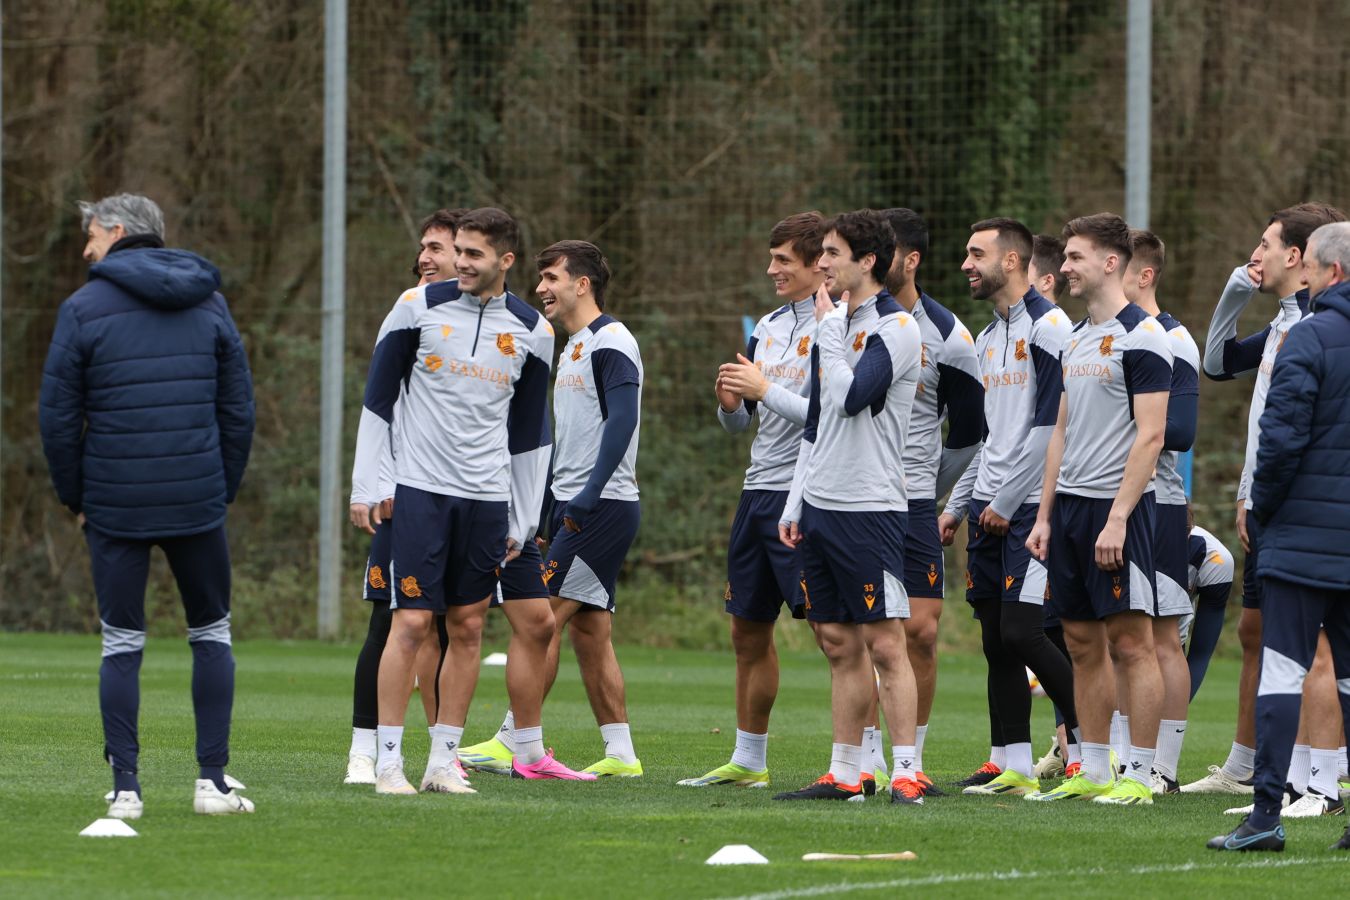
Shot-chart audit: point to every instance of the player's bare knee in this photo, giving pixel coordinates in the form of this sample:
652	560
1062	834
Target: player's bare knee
1249	633
751	641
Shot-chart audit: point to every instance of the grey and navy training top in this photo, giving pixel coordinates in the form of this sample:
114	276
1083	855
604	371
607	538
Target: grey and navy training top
1168	485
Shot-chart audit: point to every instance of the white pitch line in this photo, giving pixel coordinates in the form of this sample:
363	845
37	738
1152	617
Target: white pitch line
824	890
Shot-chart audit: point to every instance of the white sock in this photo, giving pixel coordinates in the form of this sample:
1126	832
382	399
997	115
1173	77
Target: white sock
390	750
1343	771
618	742
1073	742
1115	732
1299	765
1240	762
874	758
507	733
363	742
445	740
920	733
1097	763
1019	758
752	751
1171	734
1123	749
905	763
1141	763
1322	772
529	744
999	757
846	763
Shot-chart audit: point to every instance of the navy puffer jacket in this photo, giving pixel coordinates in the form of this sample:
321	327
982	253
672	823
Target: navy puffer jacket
1301	489
146	409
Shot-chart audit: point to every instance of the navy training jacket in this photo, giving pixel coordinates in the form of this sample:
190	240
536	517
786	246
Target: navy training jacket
1301	489
146	409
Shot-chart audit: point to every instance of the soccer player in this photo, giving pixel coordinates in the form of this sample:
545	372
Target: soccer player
472	454
949	389
1209	579
1276	269
1047	256
1095	525
595	509
769	382
1172	517
1021	376
146	415
847	505
1300	494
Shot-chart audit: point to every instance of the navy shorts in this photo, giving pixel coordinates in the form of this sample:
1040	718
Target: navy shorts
852	563
763	573
584	565
1001	566
446	550
1171	563
923	551
1081	592
1251	583
522	578
377	563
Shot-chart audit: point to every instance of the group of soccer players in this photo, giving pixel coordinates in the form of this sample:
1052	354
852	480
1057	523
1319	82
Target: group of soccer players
1064	422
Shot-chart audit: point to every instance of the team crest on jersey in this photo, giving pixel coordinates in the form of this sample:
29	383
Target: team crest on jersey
576	352
932	574
859	339
410	587
804	346
433	362
1115	586
376	578
1021	350
506	342
445	331
1105	348
869	594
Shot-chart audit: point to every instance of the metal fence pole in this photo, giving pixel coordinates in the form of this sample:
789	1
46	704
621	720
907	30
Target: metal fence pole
334	310
1138	99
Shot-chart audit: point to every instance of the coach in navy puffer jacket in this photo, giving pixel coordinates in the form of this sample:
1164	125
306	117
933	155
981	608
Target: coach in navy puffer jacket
146	409
1301	490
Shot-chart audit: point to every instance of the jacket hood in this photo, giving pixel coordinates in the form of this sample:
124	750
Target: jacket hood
168	279
1336	297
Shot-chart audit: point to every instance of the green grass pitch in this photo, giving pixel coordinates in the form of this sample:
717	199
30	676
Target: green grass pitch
312	836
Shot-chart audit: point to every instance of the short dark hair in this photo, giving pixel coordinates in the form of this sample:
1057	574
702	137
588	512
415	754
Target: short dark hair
447	219
496	225
866	231
1297	223
579	258
1012	235
1107	230
1047	252
1149	251
801	231
911	231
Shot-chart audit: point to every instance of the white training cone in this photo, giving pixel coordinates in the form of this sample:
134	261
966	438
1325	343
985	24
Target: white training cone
109	828
737	855
495	659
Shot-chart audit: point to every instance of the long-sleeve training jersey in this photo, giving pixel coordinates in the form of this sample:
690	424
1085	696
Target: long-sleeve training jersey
865	370
1168	485
1227	357
781	347
473	421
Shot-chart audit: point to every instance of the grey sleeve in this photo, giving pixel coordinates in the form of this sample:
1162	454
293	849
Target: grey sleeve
953	468
1028	469
1237	293
959	502
735	421
786	404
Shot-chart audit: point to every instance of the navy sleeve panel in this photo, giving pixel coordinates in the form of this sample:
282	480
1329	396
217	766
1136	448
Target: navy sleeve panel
1242	355
1049	386
962	396
813	402
1286	423
1146	373
61	409
390	366
527	419
872	377
615	436
750	345
611	369
1205	631
235	411
1183	416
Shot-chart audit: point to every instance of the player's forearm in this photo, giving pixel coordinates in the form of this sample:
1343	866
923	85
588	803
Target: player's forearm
1054	456
1237	293
792	510
372	446
735	421
1022	476
789	405
953	465
1139	466
959	502
615	436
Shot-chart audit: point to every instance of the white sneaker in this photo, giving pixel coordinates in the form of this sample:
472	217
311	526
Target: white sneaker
231	782
360	769
209	801
446	779
1161	784
393	781
125	805
1217	782
1313	804
1051	765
